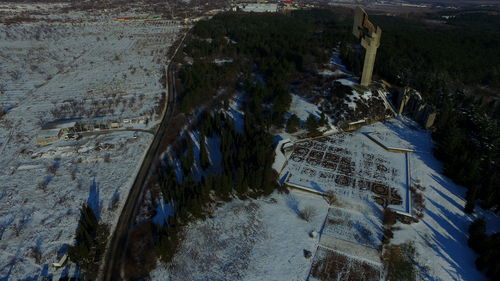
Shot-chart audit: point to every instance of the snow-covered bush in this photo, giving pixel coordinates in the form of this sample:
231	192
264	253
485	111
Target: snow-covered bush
307	213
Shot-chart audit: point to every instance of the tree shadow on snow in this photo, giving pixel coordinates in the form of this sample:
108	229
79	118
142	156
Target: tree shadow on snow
10	265
93	199
293	204
451	187
451	244
445	196
316	187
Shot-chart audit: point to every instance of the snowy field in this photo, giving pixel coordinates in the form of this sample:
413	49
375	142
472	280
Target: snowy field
84	66
362	229
265	239
261	239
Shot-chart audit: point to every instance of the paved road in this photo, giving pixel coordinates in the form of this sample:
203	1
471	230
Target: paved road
113	259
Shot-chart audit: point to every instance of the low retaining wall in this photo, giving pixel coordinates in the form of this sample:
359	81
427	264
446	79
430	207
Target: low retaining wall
350	249
388	148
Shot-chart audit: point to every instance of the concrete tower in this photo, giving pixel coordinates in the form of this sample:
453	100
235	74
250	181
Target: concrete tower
369	35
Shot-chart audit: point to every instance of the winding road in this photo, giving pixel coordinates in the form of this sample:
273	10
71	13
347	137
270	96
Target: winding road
115	251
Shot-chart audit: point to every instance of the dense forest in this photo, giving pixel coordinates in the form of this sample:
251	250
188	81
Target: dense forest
270	47
436	58
261	54
245	172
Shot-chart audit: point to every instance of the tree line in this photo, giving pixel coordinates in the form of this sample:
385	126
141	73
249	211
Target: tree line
435	58
265	52
246	160
487	247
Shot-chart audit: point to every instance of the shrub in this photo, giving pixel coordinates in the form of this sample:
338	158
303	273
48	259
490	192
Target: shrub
330	197
140	256
389	217
336	266
43	185
307	214
388	235
398	262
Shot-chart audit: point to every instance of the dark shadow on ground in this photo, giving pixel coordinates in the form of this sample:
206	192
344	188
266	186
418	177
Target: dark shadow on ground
293	204
93	199
316	187
452	247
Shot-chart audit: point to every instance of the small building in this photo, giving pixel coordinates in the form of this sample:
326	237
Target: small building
53	131
259	7
46	137
67	125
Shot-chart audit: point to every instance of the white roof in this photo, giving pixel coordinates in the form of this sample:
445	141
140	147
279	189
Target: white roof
48	133
59	125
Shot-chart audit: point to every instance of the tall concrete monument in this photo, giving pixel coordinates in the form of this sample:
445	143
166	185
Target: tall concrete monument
369	35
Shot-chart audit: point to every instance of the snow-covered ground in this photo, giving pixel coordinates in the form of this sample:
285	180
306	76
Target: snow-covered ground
51	70
441	236
302	108
264	239
340	225
261	239
351	165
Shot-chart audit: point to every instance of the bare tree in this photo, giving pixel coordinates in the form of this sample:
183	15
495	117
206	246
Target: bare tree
43	185
52	169
330	197
4	224
114	201
73	173
307	213
18	227
36	254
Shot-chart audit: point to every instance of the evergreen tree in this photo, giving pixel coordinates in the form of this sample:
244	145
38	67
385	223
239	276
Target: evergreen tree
241	184
204	159
311	123
470	197
188	160
323	121
477	235
90	243
292	124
